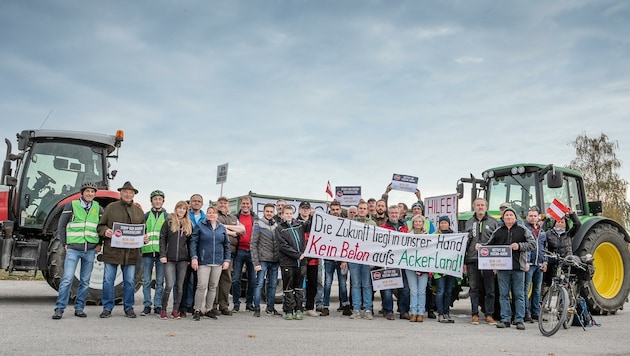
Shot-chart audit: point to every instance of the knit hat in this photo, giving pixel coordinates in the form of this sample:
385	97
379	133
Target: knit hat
505	205
444	218
508	209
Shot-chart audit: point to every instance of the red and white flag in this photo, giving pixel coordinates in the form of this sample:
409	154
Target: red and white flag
557	210
329	190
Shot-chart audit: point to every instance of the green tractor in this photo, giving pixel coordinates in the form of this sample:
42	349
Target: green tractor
527	185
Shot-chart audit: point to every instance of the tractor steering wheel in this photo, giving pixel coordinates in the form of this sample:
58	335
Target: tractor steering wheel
46	177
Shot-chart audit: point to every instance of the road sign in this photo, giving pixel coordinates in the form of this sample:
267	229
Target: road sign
222	171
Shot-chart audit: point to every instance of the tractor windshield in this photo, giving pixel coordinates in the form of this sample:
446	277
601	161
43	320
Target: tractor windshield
55	170
517	190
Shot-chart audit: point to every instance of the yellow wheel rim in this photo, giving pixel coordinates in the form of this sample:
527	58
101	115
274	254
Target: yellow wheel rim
608	278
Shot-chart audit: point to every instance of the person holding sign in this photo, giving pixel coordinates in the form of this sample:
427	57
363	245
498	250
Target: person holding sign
174	238
520	241
387	295
210	255
341	268
444	282
123	211
77	234
417	280
360	278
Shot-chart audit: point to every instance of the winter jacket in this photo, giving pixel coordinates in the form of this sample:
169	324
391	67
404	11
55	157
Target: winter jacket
479	231
229	219
120	212
537	256
174	245
264	247
519	234
210	246
561	241
402	227
292	243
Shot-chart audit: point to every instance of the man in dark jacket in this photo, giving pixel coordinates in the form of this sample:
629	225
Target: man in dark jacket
126	212
292	263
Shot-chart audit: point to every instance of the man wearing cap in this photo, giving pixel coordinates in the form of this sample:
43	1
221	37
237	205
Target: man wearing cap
154	218
126	212
77	234
234	230
312	264
244	257
520	241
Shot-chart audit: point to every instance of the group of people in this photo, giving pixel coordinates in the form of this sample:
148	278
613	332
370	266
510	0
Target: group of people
199	257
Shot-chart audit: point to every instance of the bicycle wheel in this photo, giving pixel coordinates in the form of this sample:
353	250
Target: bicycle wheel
553	310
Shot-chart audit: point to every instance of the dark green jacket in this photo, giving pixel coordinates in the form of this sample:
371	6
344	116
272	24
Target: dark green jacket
122	213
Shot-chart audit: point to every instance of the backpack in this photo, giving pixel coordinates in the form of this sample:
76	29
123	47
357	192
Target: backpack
583	316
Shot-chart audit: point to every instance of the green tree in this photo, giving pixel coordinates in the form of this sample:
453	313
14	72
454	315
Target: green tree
596	159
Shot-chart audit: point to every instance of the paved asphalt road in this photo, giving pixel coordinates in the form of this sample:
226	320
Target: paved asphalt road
27	329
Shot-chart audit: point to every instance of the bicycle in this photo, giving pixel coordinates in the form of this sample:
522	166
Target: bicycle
559	305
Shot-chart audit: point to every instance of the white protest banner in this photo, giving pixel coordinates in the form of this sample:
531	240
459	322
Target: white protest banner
347	240
434	207
387	278
495	257
347	196
404	183
127	235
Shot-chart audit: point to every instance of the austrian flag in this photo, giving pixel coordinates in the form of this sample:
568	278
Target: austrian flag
557	210
329	190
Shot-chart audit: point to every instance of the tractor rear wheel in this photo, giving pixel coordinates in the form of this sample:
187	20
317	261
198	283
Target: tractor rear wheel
608	290
56	257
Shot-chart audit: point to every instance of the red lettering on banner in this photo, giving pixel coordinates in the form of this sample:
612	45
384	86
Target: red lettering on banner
354	254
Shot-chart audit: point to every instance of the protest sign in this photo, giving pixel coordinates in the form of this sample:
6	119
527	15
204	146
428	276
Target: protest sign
387	278
347	240
495	257
127	235
404	183
258	205
347	196
434	207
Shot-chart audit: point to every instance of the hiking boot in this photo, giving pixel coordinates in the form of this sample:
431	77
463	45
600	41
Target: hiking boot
80	314
288	316
175	314
182	314
325	312
105	314
431	314
257	313
405	316
413	318
146	311
163	315
368	315
250	308
298	315
226	311
157	310
529	319
520	326
311	312
130	313
490	320
475	320
210	314
197	315
355	315
419	318
389	316
58	314
503	324
236	308
347	310
340	308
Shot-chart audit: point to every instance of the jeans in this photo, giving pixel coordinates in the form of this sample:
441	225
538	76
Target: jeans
69	268
268	272
533	277
147	275
243	257
417	291
331	267
174	274
478	279
361	285
319	297
387	297
444	293
512	281
129	288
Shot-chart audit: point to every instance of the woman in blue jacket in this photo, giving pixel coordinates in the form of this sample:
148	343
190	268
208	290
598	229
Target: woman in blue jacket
209	253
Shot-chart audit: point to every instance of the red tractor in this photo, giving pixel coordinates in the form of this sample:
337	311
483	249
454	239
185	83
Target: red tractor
37	181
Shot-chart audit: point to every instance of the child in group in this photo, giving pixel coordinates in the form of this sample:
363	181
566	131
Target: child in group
444	282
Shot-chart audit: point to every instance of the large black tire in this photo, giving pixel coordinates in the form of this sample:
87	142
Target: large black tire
56	257
608	290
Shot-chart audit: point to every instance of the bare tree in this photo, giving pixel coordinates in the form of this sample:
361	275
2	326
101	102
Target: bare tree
596	159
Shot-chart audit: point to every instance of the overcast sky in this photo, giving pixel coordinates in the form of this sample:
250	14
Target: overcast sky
295	93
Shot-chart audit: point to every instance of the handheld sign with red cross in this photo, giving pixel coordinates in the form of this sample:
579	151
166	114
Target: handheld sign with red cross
557	210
